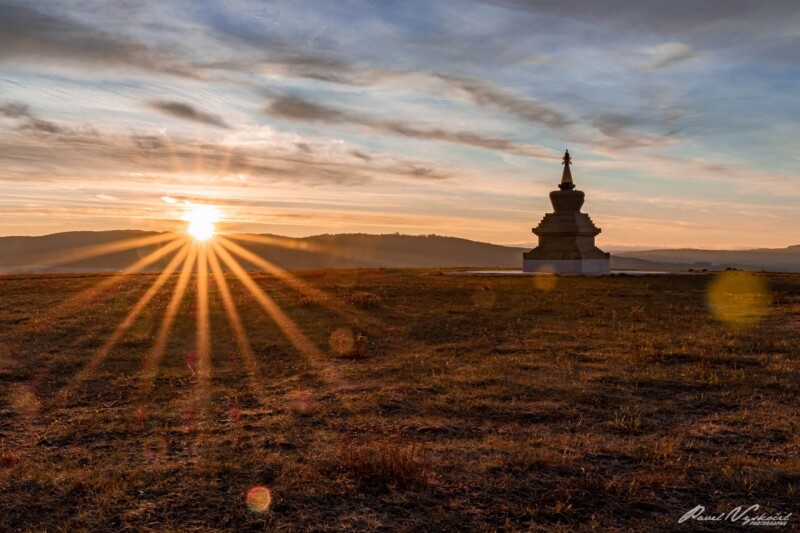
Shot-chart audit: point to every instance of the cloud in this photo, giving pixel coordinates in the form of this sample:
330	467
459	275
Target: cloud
88	155
15	110
662	16
669	54
26	33
188	112
620	134
361	155
298	109
331	70
293	108
488	95
44	126
27	120
149	142
477	92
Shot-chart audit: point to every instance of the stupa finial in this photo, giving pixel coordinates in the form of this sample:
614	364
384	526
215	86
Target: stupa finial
566	176
566	236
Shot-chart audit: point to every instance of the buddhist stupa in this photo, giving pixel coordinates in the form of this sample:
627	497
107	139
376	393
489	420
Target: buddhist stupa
566	236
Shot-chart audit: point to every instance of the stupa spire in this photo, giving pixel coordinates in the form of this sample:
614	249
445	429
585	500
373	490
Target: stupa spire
566	176
566	236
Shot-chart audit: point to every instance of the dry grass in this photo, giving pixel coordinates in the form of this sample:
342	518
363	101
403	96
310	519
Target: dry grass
382	466
365	299
471	403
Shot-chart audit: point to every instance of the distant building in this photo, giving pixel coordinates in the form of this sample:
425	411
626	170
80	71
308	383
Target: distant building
566	236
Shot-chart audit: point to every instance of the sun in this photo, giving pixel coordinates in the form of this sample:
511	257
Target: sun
201	221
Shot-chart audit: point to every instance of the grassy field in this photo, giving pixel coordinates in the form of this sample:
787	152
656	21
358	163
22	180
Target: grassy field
430	402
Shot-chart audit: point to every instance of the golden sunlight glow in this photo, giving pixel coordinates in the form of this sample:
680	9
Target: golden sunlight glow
195	259
95	292
153	358
203	327
293	281
128	321
236	323
201	221
281	319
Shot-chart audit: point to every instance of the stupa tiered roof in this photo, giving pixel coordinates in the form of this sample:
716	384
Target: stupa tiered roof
566	236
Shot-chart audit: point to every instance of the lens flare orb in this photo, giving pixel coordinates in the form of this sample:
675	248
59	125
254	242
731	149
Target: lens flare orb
738	299
545	279
259	499
201	220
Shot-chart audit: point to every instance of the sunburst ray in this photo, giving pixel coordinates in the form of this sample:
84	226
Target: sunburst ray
297	284
87	252
128	321
235	320
281	319
78	301
203	324
307	349
297	244
153	358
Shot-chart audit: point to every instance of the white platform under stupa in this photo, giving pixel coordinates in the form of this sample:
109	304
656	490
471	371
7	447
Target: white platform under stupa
522	273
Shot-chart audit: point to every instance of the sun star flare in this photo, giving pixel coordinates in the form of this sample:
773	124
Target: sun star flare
202	219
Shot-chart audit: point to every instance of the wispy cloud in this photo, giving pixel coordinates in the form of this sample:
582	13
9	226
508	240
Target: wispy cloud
33	35
188	112
621	133
669	54
659	16
477	92
26	120
282	159
298	109
488	95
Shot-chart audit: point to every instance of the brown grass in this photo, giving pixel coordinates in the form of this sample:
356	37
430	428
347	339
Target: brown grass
365	299
612	404
384	466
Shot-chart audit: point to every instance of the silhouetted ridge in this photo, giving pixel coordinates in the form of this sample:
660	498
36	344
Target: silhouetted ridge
37	254
362	250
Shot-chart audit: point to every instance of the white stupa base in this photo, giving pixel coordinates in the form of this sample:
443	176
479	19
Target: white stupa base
566	266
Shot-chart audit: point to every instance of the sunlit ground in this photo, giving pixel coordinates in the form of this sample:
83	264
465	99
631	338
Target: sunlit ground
213	397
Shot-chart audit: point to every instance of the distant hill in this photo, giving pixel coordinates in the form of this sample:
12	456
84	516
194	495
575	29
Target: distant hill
49	253
771	259
55	253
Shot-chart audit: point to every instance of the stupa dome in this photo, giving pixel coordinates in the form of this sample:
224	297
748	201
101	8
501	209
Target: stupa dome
566	236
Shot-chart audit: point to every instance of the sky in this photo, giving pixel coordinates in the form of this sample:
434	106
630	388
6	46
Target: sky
300	117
